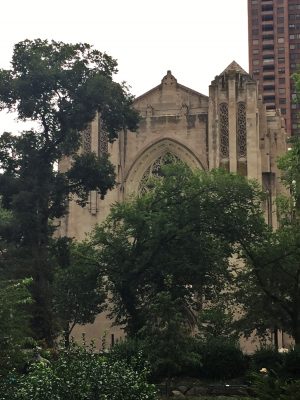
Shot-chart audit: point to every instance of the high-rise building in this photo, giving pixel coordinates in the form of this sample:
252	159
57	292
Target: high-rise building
274	54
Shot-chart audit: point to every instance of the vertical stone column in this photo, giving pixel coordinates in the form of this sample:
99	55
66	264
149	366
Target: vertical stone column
213	129
253	145
94	149
94	134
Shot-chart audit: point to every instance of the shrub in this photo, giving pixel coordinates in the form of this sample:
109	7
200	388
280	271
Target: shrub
291	391
222	360
292	363
128	350
267	357
81	374
270	387
265	386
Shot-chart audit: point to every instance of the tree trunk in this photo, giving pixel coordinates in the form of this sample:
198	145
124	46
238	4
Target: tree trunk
42	319
42	268
296	333
275	333
67	336
168	384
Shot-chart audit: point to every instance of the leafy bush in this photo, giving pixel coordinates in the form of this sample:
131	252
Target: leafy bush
128	350
265	387
292	363
291	391
79	374
267	357
139	354
14	324
270	387
222	360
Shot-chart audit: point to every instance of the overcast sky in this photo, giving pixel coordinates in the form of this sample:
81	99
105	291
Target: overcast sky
195	39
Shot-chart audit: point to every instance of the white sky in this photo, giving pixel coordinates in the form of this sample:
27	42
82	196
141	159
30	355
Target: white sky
195	39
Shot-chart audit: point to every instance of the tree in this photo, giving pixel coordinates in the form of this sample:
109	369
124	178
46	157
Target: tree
177	239
60	87
166	336
5	223
269	288
272	276
78	294
217	320
15	301
14	322
14	296
289	164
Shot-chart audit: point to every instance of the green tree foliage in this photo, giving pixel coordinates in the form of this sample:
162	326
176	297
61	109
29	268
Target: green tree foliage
290	167
270	286
176	239
81	374
217	321
5	223
60	87
267	357
77	288
14	322
14	296
269	386
221	359
167	339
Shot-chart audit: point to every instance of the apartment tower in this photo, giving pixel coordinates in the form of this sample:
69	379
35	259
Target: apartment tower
274	54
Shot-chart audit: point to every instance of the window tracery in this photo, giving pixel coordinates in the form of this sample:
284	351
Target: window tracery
241	131
224	131
87	139
155	170
102	140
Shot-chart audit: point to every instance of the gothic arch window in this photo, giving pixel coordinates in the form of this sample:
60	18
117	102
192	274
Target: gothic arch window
224	131
102	139
87	139
241	130
87	148
155	170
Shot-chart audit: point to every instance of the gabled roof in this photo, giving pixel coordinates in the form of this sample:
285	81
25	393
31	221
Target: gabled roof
169	79
234	66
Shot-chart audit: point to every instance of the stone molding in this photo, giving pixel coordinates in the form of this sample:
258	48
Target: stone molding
152	152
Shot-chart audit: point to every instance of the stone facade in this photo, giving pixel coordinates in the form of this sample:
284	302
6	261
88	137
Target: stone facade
229	128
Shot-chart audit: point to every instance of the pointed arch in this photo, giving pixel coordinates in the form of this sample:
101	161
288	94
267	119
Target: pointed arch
241	131
224	131
153	152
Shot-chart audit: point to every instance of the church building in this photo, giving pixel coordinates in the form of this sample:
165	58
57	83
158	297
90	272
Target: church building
230	128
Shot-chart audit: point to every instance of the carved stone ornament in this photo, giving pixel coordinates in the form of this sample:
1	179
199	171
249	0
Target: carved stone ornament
102	140
155	170
224	131
241	131
87	139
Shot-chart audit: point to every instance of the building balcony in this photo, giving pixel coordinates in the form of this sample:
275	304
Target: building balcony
268	61
268	41
268	53
270	94
269	87
267	23
269	77
266	12
269	83
270	106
